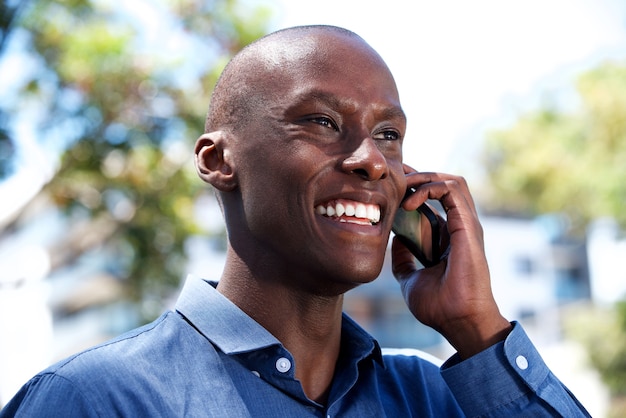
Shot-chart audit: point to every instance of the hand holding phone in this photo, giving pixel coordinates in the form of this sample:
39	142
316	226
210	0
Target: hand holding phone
457	300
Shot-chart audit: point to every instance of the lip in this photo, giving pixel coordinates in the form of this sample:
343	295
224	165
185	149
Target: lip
351	228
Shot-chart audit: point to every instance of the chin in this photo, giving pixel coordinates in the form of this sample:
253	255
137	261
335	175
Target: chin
362	273
347	278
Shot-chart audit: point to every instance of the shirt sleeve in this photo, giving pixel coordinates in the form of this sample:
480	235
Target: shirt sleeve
48	395
509	379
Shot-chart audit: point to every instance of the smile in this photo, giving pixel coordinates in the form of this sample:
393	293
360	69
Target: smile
350	211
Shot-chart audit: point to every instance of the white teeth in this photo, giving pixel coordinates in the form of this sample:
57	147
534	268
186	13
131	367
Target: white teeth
350	211
345	209
340	209
371	212
361	212
356	221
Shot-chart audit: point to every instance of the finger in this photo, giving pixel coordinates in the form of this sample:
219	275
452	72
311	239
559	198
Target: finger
459	183
403	264
454	183
452	191
408	169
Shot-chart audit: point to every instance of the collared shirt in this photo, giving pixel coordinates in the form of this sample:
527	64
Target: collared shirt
209	359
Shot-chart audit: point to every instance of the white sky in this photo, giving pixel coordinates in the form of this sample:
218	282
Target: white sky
462	66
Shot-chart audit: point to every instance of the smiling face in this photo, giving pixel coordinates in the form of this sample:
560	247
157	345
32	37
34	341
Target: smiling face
319	163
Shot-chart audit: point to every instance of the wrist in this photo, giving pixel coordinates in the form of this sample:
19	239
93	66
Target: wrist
471	337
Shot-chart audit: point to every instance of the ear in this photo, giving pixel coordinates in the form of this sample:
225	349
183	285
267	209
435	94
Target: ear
212	162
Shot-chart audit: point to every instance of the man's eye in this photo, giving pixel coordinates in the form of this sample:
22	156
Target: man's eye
388	135
324	121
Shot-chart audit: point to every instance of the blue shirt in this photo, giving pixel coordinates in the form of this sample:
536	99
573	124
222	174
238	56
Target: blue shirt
209	359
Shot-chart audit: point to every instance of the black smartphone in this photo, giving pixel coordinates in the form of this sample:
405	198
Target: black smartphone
424	232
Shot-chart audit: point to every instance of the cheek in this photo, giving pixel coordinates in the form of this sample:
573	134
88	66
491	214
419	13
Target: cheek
396	172
273	190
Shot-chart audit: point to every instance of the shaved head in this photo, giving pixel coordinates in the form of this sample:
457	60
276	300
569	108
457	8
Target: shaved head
238	93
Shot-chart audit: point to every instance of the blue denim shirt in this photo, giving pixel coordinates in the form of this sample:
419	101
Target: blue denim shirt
209	359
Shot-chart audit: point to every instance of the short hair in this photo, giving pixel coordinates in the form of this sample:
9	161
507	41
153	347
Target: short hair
235	98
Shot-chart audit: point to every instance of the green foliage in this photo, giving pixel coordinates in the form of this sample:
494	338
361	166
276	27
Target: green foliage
129	115
570	162
602	331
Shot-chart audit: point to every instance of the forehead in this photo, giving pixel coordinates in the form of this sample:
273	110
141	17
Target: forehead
317	50
297	62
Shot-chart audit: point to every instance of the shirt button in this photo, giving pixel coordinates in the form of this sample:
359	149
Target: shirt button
283	365
257	374
521	362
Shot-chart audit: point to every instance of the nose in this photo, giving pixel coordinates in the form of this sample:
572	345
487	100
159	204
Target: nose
366	161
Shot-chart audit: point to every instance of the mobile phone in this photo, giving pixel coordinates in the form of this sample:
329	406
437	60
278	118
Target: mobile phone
424	232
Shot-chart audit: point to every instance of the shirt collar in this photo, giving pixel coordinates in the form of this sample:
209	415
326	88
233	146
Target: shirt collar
358	342
234	332
220	320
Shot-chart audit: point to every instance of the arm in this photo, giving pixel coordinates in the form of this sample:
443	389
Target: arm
455	298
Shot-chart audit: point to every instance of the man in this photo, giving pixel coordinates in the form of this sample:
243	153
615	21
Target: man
303	145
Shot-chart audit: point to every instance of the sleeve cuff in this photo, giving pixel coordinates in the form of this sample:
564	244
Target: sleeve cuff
497	376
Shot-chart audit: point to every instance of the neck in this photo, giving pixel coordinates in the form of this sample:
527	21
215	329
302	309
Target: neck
307	324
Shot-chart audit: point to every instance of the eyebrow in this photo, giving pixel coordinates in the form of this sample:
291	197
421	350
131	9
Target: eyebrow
388	112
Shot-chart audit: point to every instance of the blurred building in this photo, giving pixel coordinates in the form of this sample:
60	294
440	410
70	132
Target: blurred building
607	254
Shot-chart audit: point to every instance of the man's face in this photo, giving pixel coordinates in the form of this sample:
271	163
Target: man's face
320	166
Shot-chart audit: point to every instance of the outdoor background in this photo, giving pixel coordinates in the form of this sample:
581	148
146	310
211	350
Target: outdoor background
102	215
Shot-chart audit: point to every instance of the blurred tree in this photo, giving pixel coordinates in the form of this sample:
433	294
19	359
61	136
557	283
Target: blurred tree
8	13
602	331
7	150
568	162
572	162
124	87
